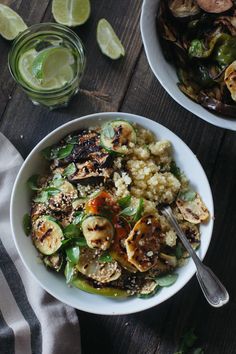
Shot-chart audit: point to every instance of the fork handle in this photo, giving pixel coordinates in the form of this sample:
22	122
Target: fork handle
212	288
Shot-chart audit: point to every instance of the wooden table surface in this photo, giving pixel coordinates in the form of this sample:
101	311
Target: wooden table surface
128	85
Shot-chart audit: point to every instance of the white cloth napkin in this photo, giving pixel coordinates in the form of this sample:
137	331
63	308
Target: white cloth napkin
31	320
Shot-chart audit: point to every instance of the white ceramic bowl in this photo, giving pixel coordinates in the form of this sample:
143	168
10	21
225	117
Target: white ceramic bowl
166	73
54	283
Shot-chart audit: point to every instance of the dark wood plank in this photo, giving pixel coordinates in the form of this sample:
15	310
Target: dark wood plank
32	13
104	84
124	85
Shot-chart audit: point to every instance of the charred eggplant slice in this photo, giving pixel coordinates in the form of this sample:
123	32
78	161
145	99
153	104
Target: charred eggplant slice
117	136
215	6
90	171
183	9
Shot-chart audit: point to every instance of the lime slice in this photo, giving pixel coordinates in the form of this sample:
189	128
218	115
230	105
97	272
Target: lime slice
108	41
11	24
71	12
49	62
25	70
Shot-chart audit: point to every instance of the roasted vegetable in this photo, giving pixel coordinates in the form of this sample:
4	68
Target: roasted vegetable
118	250
90	265
144	243
201	50
103	204
117	135
230	79
215	6
55	261
98	231
47	235
194	210
183	8
84	284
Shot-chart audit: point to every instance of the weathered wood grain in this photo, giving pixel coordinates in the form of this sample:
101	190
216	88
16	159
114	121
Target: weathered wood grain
130	86
32	13
109	79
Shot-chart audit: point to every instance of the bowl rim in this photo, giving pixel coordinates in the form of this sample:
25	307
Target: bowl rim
86	118
184	101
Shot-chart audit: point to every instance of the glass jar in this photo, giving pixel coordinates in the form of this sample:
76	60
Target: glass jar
36	39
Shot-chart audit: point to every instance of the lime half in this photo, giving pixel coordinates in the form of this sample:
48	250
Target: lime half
108	41
49	62
25	70
11	24
71	12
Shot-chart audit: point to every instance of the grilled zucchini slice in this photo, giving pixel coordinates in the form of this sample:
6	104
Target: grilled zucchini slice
47	235
117	135
54	261
89	265
98	231
144	243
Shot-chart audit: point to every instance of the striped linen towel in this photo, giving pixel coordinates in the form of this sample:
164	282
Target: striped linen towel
31	320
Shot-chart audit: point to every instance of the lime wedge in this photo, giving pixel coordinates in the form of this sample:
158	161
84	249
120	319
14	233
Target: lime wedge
108	41
11	24
49	62
71	12
25	70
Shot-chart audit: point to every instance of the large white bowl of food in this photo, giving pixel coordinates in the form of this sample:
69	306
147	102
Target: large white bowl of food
190	48
88	195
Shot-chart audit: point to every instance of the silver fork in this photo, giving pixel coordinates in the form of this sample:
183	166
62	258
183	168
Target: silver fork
213	290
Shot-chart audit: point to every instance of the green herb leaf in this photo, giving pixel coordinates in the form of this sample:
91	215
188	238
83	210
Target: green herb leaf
49	217
33	182
167	280
57	180
70	272
81	241
124	202
69	170
27	224
51	191
41	197
73	254
65	242
139	210
175	170
105	257
64	151
78	218
72	139
187	196
187	342
108	131
49	153
71	231
198	351
129	211
45	194
147	296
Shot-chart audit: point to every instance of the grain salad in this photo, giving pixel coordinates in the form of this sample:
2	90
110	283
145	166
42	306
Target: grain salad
94	214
